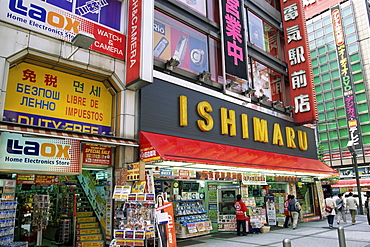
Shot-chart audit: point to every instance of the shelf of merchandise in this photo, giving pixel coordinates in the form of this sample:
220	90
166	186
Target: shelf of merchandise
191	219
134	222
8	210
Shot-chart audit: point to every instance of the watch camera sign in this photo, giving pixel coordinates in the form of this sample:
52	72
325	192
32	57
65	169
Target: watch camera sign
61	22
43	155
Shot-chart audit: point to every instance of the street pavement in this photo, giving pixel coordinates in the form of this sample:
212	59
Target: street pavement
308	234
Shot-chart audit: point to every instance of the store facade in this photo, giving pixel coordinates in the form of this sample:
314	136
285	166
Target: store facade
207	149
62	131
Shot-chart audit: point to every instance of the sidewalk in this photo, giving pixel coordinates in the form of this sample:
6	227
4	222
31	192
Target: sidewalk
307	234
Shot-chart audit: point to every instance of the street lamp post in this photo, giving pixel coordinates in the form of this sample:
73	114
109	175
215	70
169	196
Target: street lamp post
351	148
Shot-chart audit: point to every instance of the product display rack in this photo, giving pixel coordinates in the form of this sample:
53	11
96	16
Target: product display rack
8	213
191	219
134	221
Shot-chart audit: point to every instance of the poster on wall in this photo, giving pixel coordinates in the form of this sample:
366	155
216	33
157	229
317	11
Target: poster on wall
64	19
42	97
39	155
175	40
96	154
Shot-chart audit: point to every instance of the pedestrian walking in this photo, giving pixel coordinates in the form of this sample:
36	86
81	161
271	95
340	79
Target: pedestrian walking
294	207
352	206
330	214
240	209
341	209
367	211
288	215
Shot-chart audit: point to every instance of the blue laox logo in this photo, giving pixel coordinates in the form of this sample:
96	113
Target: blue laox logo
37	149
38	13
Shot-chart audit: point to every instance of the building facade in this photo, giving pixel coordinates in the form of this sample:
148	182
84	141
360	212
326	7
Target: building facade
340	69
190	102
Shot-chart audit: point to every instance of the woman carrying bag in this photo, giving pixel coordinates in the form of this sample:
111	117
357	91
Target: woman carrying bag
330	206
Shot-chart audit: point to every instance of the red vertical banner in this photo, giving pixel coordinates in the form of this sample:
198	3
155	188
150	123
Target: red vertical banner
139	45
299	62
133	50
170	235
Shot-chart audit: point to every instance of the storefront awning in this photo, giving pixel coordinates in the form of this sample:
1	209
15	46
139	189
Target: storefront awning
344	183
47	133
157	146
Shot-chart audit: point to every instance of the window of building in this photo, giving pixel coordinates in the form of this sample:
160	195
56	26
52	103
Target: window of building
339	103
354	57
358	77
330	114
364	117
343	133
334	144
173	39
333	64
329	105
335	73
349	29
351	38
326	86
356	67
359	87
365	128
315	71
363	107
266	81
324	68
264	36
325	77
323	136
361	97
196	5
337	83
342	122
340	111
352	48
347	20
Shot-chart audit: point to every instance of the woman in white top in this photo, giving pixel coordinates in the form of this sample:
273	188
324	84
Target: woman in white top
330	202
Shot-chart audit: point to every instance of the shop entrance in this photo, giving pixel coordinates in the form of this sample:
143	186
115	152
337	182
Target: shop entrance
62	210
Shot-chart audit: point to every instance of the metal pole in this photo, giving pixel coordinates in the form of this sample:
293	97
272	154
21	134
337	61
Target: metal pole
287	243
341	237
354	154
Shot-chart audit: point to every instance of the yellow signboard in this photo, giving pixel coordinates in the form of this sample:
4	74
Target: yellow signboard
44	97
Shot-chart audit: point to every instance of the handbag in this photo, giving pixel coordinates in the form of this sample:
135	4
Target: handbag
328	209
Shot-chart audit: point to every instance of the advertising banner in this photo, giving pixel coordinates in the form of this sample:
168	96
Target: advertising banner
43	97
97	154
46	156
167	231
354	130
173	39
139	62
299	63
64	19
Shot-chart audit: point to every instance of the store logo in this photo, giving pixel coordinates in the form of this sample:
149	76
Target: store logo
38	13
37	149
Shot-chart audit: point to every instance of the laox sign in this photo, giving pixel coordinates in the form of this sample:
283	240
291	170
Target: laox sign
38	13
35	149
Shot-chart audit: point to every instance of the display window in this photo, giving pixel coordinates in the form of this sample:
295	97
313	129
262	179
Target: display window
265	36
173	39
266	81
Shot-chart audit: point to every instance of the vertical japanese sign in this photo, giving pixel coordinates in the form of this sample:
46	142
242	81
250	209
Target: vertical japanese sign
346	79
234	38
139	47
299	63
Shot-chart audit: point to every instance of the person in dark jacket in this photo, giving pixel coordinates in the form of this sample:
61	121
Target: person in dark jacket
293	211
